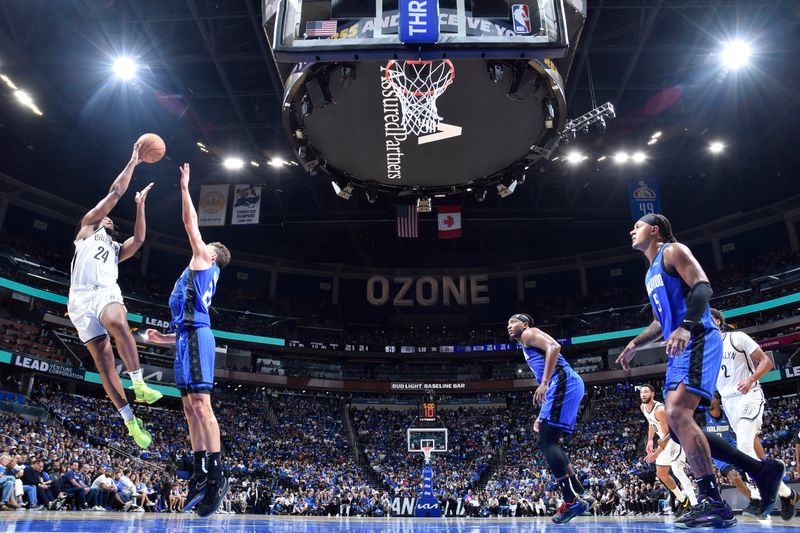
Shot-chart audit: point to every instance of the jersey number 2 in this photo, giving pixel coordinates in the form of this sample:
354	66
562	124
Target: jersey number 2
209	293
102	254
725	371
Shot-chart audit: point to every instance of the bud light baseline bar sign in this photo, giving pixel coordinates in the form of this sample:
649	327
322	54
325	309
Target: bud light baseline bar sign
419	21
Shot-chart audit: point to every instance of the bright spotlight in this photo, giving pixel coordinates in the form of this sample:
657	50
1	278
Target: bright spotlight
716	147
573	158
233	163
23	98
621	157
276	162
639	157
125	68
736	54
656	135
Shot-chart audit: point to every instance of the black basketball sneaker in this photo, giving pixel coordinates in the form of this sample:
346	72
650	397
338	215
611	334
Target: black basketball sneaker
215	493
197	490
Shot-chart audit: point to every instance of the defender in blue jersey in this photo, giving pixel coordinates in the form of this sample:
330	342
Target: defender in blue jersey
189	304
717	423
679	293
559	393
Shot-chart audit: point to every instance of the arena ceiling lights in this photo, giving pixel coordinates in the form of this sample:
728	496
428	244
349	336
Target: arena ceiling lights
716	147
736	54
23	97
125	68
233	163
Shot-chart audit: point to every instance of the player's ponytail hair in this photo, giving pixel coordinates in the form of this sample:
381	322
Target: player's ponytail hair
223	254
663	225
665	228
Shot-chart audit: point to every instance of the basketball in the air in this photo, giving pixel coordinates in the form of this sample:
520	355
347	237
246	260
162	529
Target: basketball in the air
151	148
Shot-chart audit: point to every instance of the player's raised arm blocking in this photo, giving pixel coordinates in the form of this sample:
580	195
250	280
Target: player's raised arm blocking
132	244
201	259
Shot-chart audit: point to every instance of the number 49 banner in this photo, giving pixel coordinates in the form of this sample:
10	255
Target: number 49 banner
645	197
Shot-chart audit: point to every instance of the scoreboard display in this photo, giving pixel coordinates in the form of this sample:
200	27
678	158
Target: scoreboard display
427	411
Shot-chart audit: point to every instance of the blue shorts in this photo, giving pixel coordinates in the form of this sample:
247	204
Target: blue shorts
194	360
563	398
698	367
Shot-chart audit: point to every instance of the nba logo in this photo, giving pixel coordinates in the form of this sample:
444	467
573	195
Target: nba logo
521	17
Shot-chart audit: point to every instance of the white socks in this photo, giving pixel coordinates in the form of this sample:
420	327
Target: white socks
784	491
678	494
136	376
127	413
685	483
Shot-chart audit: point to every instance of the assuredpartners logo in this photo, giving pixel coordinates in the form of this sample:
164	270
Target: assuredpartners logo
393	130
409	90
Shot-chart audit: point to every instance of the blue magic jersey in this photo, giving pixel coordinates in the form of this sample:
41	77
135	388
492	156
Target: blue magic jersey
666	295
720	427
535	359
191	297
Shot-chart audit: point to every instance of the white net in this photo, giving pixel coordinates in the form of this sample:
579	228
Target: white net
417	85
426	452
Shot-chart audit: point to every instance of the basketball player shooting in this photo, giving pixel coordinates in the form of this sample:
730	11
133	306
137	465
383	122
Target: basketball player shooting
189	304
679	293
95	303
559	393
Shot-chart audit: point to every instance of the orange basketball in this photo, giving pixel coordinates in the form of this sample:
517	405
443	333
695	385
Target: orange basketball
151	148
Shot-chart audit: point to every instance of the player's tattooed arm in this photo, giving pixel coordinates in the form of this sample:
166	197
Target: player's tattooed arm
650	333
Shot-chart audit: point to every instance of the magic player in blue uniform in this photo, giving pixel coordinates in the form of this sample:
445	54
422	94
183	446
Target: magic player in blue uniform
679	292
717	423
559	393
189	304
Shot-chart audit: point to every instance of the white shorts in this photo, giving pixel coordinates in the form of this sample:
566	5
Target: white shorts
85	307
673	452
744	407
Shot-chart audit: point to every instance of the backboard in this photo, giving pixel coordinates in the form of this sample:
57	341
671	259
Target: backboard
341	30
419	437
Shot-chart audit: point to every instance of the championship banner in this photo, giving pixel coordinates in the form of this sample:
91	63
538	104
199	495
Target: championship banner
212	205
645	198
246	204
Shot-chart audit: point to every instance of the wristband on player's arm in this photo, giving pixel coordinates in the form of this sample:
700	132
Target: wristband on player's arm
696	304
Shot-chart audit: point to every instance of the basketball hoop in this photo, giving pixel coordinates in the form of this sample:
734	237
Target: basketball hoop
426	452
417	85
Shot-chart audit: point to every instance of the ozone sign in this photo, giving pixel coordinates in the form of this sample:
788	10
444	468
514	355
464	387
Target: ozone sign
428	291
419	21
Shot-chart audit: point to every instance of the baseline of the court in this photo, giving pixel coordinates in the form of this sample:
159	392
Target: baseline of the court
176	523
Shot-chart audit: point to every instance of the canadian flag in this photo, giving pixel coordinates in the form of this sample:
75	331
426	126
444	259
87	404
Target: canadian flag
449	221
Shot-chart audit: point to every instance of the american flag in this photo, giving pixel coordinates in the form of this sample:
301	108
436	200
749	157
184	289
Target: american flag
320	28
407	221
